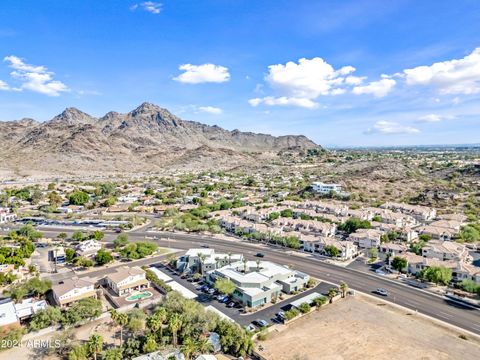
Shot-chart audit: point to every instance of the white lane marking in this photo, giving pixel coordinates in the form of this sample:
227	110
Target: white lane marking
476	326
445	315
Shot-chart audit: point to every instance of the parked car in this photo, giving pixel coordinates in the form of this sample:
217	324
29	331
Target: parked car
231	304
280	315
260	323
199	287
206	246
381	292
211	291
380	272
221	297
250	328
225	300
260	255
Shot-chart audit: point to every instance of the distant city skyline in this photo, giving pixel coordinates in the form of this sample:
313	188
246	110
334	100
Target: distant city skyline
351	73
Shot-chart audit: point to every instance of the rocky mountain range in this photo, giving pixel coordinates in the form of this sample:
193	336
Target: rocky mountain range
148	138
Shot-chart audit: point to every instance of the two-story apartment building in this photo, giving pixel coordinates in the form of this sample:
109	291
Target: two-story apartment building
445	250
258	282
203	260
366	238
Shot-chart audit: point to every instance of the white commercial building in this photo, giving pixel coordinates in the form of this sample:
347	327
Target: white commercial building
324	188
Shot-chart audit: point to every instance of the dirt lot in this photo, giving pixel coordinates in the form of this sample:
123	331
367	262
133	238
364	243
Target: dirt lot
358	328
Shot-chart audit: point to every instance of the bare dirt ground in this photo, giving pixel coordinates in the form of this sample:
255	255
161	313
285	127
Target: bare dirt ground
358	328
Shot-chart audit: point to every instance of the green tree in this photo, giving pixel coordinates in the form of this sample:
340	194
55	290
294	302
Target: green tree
150	344
343	289
78	236
331	250
437	274
103	257
113	354
78	198
399	263
225	286
95	345
119	319
45	318
78	352
353	224
97	235
189	348
121	240
304	308
175	324
320	301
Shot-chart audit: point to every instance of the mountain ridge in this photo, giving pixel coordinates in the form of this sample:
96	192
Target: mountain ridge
148	137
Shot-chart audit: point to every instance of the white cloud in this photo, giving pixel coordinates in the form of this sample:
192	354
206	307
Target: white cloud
284	101
457	76
150	6
429	118
390	128
301	83
197	74
211	110
309	78
379	88
4	86
34	78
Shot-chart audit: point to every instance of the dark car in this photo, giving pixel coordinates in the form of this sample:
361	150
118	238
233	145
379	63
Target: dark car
260	255
260	323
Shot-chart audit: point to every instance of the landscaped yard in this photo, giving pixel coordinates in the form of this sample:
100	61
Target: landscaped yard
358	328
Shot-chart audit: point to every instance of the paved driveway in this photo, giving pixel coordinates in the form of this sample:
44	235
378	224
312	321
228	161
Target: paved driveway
267	313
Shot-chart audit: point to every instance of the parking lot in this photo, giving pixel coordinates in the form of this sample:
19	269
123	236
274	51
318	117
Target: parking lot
237	313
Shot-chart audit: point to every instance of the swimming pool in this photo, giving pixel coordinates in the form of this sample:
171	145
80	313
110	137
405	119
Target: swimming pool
139	296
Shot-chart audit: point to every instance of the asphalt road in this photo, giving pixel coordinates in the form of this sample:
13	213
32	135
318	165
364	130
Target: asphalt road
414	299
417	300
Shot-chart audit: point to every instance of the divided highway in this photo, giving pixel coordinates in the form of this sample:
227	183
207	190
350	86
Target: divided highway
451	312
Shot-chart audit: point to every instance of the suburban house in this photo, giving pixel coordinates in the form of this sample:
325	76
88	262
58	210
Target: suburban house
366	238
73	289
395	218
8	315
88	248
466	272
6	215
259	282
391	250
203	260
452	225
421	213
445	250
438	233
316	244
28	307
126	280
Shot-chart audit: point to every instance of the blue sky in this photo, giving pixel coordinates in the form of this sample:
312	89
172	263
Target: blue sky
341	72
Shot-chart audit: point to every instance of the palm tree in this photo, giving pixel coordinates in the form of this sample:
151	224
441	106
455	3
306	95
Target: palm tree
95	345
331	294
155	322
119	319
204	346
189	348
245	265
258	264
343	289
113	354
175	324
230	258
